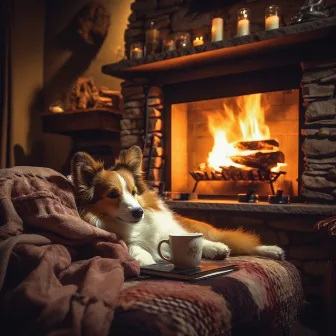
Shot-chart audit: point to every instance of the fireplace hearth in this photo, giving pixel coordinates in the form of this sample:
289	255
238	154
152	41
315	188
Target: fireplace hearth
167	97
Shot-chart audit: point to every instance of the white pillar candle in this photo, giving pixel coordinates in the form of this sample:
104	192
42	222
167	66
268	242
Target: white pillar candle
217	29
272	22
243	27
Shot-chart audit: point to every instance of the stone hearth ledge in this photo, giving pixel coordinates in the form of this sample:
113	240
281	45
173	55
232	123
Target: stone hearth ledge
227	205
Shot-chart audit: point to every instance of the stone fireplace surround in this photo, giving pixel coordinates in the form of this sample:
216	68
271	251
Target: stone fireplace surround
149	92
150	114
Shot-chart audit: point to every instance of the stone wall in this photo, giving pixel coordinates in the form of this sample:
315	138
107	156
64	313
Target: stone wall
294	233
132	127
319	146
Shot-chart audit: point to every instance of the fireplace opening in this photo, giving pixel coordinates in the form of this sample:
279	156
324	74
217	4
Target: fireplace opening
222	147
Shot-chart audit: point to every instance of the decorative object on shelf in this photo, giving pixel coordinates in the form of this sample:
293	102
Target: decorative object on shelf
278	198
272	17
182	40
137	50
217	29
85	94
198	41
311	10
249	197
93	23
168	44
56	107
243	21
152	40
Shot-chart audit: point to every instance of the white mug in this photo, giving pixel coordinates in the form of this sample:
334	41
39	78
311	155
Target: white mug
185	250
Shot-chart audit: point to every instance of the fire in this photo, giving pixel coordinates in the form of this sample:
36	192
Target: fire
226	131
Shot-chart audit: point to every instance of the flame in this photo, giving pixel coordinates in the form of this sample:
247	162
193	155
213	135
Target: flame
225	130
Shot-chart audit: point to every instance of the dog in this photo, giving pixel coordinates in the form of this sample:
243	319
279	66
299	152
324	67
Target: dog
119	200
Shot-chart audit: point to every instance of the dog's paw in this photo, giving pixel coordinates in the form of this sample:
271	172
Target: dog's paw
215	250
141	255
145	259
270	251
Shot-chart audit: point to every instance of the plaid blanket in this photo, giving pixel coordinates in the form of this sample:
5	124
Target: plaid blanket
262	298
61	276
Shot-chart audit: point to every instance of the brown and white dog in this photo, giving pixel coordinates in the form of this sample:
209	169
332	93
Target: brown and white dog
119	201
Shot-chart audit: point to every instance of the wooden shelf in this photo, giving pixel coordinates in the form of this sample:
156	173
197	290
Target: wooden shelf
82	122
279	47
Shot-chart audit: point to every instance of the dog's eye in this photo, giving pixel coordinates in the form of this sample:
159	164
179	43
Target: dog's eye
113	194
134	192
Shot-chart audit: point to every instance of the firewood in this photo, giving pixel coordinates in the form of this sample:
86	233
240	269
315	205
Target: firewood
259	160
257	145
104	102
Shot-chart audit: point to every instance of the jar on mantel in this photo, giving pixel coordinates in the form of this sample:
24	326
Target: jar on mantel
182	40
152	40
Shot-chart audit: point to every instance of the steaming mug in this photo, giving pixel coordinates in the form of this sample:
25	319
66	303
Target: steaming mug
185	250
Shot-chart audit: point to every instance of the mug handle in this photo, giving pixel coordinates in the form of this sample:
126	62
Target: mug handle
159	249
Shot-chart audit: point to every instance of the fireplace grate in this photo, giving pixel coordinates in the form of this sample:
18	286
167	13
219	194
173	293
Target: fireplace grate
237	174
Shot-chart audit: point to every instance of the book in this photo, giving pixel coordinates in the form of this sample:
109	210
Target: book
206	270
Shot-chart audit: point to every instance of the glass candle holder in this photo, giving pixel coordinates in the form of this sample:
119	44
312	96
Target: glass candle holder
272	17
136	50
217	28
152	40
182	40
168	44
243	21
198	41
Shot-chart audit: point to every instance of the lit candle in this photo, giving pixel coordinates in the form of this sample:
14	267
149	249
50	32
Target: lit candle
272	17
137	53
198	41
243	27
243	22
217	29
272	22
136	50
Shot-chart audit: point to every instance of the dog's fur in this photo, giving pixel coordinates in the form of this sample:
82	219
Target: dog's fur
118	200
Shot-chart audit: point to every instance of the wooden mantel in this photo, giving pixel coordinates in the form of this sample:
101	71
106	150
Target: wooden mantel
280	47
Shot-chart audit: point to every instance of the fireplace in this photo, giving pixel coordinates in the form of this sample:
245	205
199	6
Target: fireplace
171	101
225	146
235	133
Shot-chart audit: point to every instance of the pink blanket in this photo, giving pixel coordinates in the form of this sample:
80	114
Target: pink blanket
58	274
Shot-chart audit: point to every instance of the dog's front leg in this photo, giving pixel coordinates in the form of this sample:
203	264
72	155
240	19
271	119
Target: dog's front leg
141	255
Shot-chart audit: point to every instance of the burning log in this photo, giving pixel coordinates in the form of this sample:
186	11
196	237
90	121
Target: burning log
259	160
257	145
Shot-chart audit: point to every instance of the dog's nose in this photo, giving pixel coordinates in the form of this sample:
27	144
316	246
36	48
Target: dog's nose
137	213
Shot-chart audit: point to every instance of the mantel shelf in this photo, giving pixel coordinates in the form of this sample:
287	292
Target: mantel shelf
279	47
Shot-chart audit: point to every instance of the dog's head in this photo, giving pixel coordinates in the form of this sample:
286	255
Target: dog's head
110	192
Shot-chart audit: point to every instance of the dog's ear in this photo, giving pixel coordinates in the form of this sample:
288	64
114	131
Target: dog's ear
83	171
132	159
